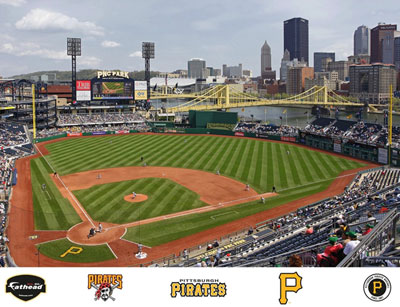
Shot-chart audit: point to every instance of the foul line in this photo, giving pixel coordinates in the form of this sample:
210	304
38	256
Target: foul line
135	243
225	213
69	192
112	251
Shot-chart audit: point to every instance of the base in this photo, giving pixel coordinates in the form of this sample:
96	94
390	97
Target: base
141	255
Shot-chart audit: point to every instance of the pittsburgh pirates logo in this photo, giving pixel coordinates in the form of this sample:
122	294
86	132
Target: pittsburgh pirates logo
377	287
104	285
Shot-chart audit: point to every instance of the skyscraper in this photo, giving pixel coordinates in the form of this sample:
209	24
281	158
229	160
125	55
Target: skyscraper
362	41
397	53
284	65
265	58
319	56
296	38
196	68
378	34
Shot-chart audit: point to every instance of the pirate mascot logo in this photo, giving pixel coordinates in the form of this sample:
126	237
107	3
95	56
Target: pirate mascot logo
104	285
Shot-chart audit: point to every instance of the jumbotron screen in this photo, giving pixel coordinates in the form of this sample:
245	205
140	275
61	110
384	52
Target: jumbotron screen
103	90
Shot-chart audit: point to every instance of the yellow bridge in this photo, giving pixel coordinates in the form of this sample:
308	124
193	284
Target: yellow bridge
226	97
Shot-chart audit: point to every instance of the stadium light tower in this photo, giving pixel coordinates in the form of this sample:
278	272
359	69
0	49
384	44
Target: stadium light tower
147	54
74	50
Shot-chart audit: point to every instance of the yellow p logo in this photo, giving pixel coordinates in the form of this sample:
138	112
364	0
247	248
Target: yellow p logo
285	288
376	285
74	250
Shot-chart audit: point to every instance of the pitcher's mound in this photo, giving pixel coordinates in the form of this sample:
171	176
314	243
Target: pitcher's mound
138	198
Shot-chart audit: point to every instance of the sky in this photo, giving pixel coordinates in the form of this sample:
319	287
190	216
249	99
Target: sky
34	32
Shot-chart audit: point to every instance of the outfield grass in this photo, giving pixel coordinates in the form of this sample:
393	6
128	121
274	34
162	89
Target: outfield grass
51	210
300	173
106	202
55	249
261	164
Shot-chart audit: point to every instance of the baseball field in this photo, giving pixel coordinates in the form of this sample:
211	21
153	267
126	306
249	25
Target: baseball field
191	185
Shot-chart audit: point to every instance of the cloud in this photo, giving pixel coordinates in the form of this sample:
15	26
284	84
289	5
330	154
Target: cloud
13	2
32	49
89	61
40	19
136	54
110	44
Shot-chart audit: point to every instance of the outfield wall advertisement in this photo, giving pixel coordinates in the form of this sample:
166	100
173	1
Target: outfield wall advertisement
140	90
83	92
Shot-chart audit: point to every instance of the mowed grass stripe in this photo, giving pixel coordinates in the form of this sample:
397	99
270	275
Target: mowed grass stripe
248	162
130	151
283	184
292	165
209	155
317	170
259	164
268	176
52	211
178	153
191	161
212	163
324	165
104	155
221	158
299	152
237	158
164	197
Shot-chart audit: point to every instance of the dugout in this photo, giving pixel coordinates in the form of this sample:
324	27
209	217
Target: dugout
212	119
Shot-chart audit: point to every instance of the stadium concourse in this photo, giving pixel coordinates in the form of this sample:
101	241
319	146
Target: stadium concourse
353	228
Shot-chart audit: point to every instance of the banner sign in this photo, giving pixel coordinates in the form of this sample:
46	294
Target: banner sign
98	132
74	134
288	139
337	145
382	155
239	133
141	95
122	132
83	88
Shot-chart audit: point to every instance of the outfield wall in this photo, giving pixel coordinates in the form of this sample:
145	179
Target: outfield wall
336	145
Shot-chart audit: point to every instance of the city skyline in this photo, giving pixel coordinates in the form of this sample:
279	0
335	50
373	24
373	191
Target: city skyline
34	34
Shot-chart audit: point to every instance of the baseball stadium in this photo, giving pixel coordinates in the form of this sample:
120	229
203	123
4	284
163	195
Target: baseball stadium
117	188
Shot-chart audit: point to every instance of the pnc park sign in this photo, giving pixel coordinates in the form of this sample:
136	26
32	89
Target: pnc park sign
112	73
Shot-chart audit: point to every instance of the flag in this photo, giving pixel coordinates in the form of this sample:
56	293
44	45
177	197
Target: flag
155	87
349	116
284	111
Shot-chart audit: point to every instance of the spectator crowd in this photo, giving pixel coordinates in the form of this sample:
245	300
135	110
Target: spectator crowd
98	119
14	143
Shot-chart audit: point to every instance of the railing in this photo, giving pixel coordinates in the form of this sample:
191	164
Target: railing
376	243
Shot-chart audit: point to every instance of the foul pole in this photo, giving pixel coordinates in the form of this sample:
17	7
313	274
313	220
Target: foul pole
33	111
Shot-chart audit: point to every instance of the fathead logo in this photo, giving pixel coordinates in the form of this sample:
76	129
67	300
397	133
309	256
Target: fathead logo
284	277
25	287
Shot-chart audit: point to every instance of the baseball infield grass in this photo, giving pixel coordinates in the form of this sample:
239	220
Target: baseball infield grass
296	172
106	202
78	253
158	233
